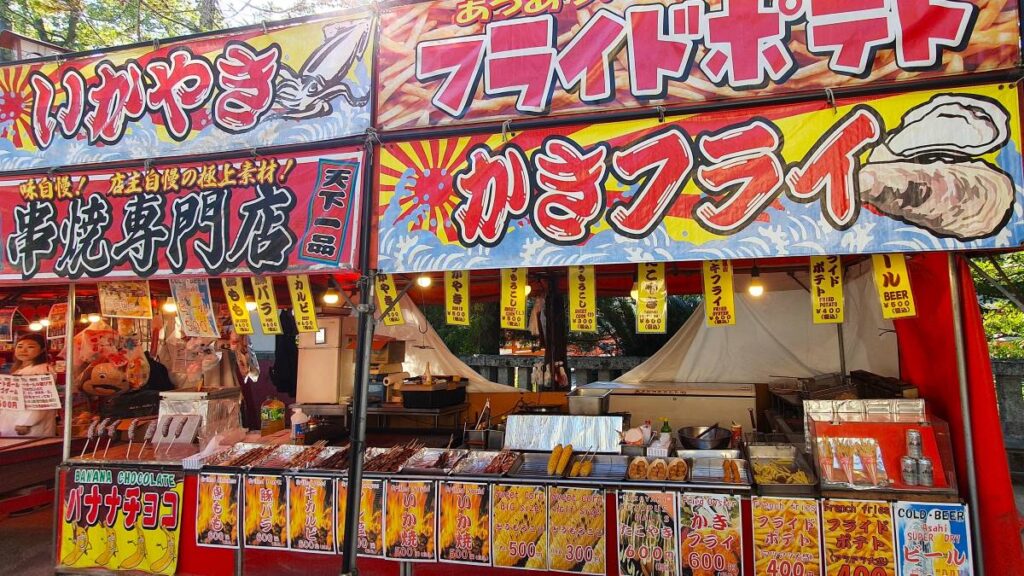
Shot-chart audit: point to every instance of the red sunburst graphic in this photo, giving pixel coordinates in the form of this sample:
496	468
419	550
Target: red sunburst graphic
14	105
424	189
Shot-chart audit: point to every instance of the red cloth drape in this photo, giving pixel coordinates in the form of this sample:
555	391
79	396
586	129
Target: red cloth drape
928	360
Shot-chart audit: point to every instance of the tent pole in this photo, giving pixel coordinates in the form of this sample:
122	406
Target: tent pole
842	351
69	376
965	409
364	347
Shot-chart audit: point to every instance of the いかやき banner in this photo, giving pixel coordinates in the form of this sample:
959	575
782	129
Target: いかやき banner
293	213
797	180
487	60
295	83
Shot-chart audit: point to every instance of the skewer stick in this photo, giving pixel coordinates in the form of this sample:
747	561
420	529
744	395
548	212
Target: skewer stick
99	433
110	436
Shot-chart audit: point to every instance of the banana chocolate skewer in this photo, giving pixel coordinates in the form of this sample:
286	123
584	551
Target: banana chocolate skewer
178	429
100	430
148	436
111	430
131	435
89	434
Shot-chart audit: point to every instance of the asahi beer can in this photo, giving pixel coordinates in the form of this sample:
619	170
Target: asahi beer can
909	471
925	472
914	443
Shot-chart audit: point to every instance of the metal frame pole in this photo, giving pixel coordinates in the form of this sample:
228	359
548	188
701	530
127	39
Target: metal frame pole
965	409
69	376
364	346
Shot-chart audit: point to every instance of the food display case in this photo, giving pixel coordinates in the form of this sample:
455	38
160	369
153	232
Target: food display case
892	446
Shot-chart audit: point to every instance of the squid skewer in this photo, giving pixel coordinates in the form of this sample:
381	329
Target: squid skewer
100	430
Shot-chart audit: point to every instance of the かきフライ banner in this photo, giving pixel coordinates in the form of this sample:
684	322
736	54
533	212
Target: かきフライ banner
451	61
291	84
294	212
797	180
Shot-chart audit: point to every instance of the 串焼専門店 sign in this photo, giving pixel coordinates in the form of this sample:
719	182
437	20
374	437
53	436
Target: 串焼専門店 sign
252	88
254	214
486	60
797	180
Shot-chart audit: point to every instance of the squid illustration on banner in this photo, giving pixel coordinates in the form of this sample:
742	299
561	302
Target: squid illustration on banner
804	179
293	83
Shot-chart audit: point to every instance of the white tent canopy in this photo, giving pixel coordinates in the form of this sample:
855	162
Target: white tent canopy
423	346
774	336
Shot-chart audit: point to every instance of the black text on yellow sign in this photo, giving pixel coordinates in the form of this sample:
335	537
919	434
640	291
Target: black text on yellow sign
893	283
302	303
719	299
652	299
234	293
513	298
266	305
827	289
387	295
582	299
456	298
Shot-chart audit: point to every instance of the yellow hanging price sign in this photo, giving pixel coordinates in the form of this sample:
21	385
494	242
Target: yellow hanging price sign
266	305
456	298
234	293
719	299
827	303
893	283
582	299
651	299
387	295
302	303
513	298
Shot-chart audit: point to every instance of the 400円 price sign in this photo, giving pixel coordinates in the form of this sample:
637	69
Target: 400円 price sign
858	538
116	519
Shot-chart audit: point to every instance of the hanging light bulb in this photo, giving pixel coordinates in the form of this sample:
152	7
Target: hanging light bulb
250	305
424	281
44	322
331	296
170	306
94	318
35	326
756	287
83	319
634	292
529	289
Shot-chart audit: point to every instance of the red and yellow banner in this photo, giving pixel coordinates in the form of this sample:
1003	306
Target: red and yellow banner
576	530
519	537
410	526
217	511
710	534
290	83
293	212
266	513
858	537
787	536
805	179
119	519
464	533
311	514
827	303
371	517
478	60
893	283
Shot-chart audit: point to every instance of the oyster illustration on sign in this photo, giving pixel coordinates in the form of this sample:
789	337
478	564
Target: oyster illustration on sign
929	173
308	93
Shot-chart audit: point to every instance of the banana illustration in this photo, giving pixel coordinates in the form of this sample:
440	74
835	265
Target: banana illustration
111	547
170	553
138	556
80	538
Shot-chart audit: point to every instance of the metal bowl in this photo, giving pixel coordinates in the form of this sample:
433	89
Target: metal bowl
713	440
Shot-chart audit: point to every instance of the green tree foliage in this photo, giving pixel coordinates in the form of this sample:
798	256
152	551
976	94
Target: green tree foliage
1003	321
616	317
86	24
482	336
